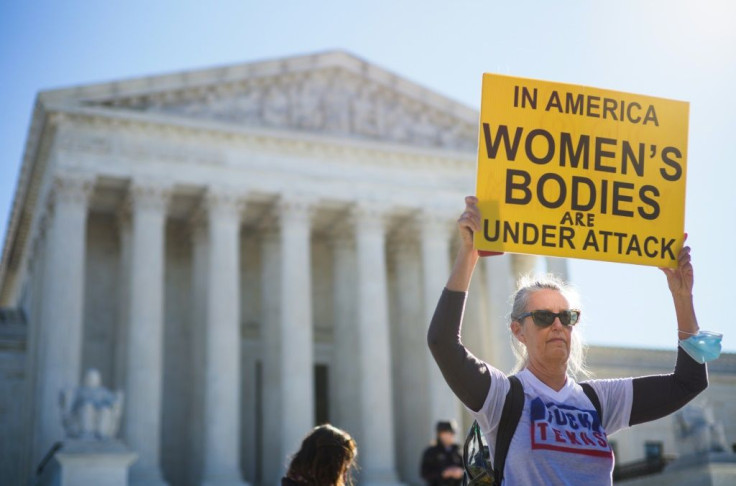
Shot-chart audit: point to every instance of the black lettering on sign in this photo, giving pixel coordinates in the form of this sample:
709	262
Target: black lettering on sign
548	235
581	219
593	106
542	147
666	153
644	192
502	135
600	154
529	234
605	235
651	116
618	198
667	248
650	240
620	241
566	236
513	186
528	146
636	118
590	106
633	246
574	106
580	152
591	241
576	203
527	97
561	190
554	102
625	243
628	156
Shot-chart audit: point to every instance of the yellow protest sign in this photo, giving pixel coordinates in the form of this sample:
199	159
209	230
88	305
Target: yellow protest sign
574	171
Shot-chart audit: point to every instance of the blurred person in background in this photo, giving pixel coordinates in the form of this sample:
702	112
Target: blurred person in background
442	462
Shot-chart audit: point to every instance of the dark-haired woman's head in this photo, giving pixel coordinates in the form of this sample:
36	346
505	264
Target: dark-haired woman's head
326	457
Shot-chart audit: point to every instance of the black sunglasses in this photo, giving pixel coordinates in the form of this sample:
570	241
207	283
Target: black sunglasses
545	318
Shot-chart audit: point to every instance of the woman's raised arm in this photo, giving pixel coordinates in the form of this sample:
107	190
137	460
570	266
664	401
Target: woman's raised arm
661	395
466	375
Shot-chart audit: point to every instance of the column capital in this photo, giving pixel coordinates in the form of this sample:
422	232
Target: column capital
435	223
370	215
342	237
402	245
39	238
197	229
341	233
295	208
71	188
223	202
43	224
268	228
148	195
122	221
522	264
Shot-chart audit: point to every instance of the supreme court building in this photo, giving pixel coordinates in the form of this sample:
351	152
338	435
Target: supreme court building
247	251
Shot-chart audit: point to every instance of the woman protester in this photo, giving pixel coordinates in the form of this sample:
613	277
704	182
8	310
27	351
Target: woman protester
325	458
560	438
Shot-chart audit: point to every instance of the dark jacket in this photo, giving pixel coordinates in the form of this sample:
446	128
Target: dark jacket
435	460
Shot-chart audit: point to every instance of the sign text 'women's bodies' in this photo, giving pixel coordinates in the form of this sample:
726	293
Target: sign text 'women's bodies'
572	171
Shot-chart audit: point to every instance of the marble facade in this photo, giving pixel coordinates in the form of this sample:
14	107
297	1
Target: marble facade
245	251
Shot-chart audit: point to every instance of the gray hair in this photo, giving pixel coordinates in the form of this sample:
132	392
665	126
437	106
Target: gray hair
526	286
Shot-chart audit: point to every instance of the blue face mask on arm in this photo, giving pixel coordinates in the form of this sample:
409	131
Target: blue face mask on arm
704	346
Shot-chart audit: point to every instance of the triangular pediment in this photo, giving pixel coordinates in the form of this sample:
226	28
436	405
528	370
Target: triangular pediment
332	93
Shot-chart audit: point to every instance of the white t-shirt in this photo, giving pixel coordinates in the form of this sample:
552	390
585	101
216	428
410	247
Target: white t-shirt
559	440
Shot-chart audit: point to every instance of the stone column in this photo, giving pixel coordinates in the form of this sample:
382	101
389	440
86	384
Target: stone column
558	267
523	265
121	331
435	246
346	347
222	342
377	420
198	227
499	287
272	462
31	414
62	307
409	350
295	333
144	368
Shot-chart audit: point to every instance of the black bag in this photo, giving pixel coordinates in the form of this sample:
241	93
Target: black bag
476	457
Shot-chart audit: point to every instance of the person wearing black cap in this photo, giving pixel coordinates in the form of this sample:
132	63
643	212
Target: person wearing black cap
442	463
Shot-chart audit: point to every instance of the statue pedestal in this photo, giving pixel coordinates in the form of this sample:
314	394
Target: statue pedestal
90	463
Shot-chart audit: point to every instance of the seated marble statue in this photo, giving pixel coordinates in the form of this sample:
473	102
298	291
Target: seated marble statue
697	430
91	411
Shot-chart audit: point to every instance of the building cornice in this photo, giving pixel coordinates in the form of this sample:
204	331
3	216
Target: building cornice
288	141
650	359
114	104
302	144
29	172
194	82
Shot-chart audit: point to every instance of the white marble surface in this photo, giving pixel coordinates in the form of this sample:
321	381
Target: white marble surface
101	295
144	365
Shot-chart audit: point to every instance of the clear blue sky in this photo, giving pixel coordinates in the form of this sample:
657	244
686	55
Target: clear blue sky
672	49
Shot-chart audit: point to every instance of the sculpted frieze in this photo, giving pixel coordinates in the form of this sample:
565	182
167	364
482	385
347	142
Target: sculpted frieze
330	101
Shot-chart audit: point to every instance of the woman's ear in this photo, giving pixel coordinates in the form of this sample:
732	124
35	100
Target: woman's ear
518	331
